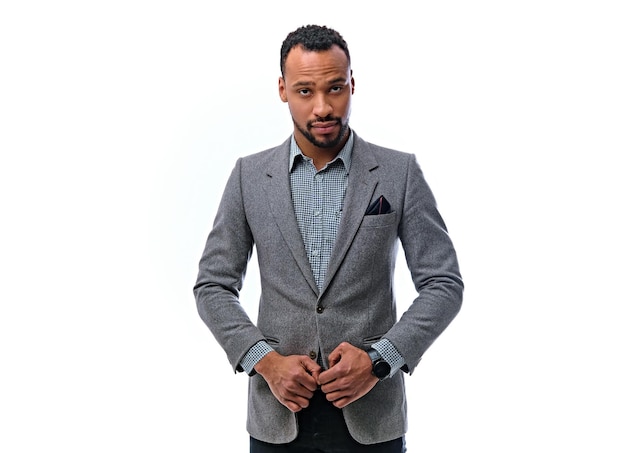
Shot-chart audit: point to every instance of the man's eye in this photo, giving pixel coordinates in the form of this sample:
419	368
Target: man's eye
304	92
336	89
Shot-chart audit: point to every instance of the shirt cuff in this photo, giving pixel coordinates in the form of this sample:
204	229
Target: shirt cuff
254	354
391	355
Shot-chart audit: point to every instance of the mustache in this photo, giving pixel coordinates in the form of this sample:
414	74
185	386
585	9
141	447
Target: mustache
327	119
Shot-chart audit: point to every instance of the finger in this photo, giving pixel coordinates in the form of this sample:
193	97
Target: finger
301	388
309	379
335	396
330	389
341	403
341	398
334	386
335	356
295	403
293	407
311	366
307	385
316	375
327	377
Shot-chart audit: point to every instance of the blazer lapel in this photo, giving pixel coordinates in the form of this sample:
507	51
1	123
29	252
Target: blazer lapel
278	190
361	186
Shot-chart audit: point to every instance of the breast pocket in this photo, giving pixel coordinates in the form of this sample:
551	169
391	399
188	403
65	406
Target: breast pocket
379	221
376	238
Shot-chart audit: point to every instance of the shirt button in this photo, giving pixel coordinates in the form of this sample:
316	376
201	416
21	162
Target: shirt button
320	309
313	355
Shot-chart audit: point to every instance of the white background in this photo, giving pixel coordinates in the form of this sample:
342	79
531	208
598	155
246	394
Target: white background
120	121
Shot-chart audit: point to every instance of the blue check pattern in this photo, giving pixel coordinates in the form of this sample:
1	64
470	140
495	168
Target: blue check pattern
318	202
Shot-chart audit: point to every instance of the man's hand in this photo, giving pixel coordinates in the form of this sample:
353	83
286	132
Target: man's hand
349	376
292	379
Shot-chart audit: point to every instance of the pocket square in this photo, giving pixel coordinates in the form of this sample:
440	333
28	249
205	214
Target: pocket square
379	206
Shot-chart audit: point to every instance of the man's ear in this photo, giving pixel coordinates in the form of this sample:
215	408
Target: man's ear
282	89
351	82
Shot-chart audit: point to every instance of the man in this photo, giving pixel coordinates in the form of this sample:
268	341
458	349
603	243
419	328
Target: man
325	210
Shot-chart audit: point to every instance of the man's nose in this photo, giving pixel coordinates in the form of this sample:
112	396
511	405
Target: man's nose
322	107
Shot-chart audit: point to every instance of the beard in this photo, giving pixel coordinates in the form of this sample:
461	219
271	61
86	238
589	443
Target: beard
330	142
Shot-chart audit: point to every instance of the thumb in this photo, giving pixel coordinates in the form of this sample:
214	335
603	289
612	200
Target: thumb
335	356
311	366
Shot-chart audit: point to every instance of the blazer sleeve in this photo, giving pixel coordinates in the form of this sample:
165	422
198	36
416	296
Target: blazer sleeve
221	272
433	264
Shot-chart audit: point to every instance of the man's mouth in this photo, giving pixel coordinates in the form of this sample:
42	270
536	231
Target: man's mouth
325	127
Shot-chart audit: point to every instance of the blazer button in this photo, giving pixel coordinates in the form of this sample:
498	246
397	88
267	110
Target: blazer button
313	355
320	309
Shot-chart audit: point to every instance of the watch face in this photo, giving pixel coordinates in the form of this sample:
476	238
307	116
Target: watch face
381	369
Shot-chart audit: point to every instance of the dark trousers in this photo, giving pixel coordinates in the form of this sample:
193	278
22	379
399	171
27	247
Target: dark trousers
322	429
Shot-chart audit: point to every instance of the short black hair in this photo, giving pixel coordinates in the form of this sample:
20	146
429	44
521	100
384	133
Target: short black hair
312	38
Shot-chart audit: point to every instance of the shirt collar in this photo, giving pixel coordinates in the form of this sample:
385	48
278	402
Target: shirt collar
345	154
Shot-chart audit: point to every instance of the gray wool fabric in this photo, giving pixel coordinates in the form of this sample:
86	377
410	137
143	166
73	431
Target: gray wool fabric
356	302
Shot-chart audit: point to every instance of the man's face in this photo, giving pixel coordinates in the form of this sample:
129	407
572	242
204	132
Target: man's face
318	87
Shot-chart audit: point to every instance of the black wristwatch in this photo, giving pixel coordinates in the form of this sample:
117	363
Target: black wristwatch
380	367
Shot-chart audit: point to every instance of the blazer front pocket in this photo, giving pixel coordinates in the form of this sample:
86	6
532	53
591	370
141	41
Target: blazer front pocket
369	341
272	341
379	221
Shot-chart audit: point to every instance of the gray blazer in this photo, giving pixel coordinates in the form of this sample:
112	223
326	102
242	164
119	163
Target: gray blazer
357	302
